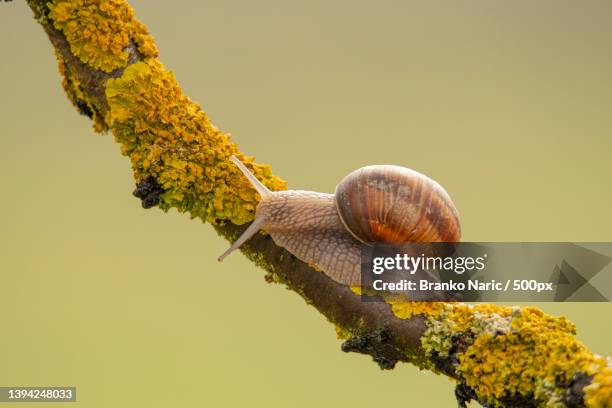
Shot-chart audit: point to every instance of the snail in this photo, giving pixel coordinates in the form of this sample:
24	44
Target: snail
380	203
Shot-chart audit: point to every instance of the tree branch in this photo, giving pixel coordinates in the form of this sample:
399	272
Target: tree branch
499	356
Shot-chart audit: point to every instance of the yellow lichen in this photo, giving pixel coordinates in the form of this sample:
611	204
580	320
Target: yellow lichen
461	316
515	351
99	31
168	137
405	310
599	393
342	333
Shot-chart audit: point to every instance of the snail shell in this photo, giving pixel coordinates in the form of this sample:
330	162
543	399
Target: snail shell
394	204
372	204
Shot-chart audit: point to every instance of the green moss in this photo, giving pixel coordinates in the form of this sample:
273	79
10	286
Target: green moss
168	137
99	31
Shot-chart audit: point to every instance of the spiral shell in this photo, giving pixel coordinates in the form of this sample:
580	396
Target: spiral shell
386	203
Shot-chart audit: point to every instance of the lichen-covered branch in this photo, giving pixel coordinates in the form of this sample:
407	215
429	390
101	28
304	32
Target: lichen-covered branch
499	356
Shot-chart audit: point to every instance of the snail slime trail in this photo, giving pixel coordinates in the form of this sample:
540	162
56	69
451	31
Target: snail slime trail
373	204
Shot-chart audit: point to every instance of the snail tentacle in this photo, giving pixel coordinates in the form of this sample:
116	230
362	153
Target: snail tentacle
257	185
252	230
256	225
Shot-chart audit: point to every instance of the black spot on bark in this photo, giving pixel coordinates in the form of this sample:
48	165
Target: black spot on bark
446	364
574	396
464	395
148	191
518	400
378	344
84	109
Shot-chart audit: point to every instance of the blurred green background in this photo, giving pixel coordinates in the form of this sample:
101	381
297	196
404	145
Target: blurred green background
507	104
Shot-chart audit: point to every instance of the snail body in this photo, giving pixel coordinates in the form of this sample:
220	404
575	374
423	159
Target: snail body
380	203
